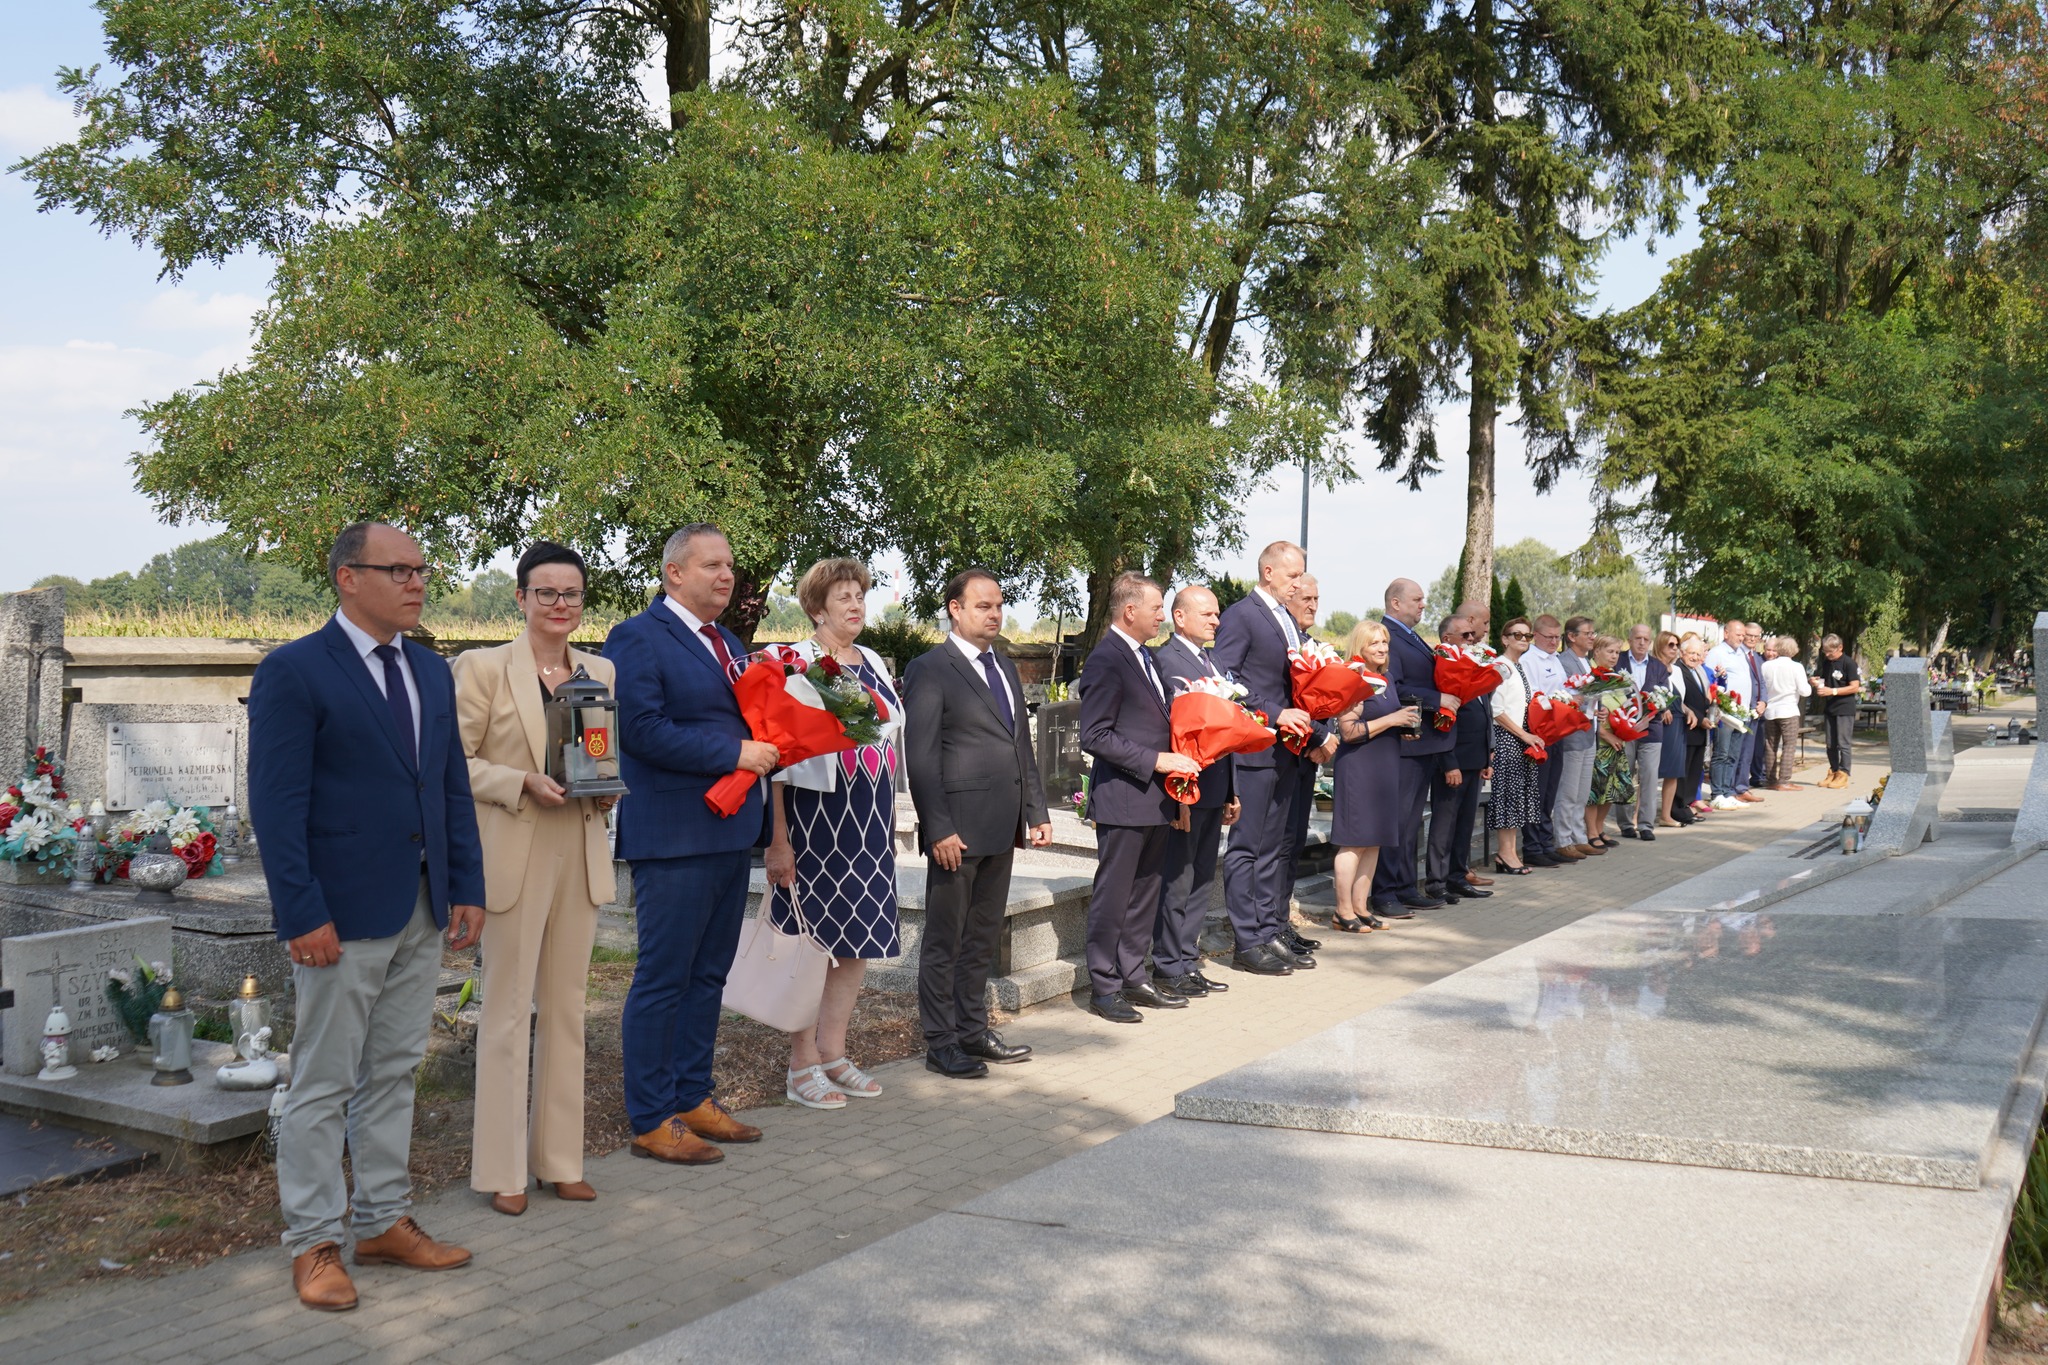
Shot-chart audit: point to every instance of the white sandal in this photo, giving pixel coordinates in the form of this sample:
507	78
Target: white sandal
852	1082
813	1091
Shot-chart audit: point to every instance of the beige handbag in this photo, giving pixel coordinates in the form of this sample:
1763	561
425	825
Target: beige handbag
777	978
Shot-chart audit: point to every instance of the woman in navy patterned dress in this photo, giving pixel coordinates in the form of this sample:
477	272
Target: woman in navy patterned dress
833	855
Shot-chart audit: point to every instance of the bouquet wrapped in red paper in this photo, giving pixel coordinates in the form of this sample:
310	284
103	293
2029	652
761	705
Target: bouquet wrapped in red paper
1326	684
1553	715
1628	721
1467	672
1604	685
804	709
1210	720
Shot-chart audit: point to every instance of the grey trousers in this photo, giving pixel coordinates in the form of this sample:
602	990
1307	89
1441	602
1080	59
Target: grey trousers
1649	787
361	1032
1574	787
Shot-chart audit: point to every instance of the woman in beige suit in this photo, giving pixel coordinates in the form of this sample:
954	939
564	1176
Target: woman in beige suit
547	867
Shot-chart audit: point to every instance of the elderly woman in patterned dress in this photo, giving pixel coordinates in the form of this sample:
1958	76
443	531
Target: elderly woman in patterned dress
833	854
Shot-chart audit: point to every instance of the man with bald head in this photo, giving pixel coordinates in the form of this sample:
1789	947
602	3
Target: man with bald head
1411	672
1191	852
1252	640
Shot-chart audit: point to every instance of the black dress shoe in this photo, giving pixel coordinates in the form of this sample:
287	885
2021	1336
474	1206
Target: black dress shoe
1630	834
1538	860
1301	962
1467	891
1444	894
1115	1009
952	1060
990	1047
1210	984
1421	902
1152	998
1261	962
1391	909
1646	836
1190	985
1296	942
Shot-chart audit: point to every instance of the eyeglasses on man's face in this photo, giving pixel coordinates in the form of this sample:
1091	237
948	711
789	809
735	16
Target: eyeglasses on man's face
547	597
401	574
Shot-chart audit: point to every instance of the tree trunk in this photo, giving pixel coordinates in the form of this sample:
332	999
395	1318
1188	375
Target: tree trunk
1940	640
1982	658
742	616
686	24
1477	579
1097	620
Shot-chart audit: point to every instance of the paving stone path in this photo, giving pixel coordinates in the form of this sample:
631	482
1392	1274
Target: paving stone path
664	1245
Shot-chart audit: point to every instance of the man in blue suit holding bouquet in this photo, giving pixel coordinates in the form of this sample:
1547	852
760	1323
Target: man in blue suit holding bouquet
360	790
680	731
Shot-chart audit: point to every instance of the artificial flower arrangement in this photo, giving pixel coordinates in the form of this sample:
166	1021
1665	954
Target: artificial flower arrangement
1467	672
1731	707
188	829
34	827
1210	719
801	707
138	994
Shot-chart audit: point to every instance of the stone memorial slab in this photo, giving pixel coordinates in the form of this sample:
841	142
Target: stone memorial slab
31	675
2032	826
129	755
1860	1048
70	966
1922	743
1061	764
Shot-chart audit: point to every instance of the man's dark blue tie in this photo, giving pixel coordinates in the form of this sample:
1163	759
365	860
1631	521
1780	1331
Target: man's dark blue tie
1151	672
400	702
998	691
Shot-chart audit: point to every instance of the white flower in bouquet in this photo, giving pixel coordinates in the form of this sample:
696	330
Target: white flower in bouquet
121	976
34	832
41	794
160	971
182	826
152	818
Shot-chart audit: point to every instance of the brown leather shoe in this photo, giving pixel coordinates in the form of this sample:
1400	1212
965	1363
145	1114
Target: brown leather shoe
322	1281
512	1205
712	1120
1783	787
575	1190
1568	853
1589	850
1476	880
406	1243
674	1142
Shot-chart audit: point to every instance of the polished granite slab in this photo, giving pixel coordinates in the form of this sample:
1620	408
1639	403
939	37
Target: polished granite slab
1865	1048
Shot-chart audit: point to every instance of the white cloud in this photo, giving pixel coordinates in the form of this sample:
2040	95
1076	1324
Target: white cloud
184	310
31	118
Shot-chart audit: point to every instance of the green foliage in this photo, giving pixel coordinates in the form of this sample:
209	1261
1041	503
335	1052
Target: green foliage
1340	624
901	639
1616	598
1496	611
1229	591
2026	1243
1513	601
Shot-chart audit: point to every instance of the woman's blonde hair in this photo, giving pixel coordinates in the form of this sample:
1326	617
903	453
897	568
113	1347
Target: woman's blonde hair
1363	634
1613	642
818	581
1662	636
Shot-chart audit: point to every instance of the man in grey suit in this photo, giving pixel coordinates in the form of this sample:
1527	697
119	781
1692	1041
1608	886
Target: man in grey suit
975	783
1124	728
1190	871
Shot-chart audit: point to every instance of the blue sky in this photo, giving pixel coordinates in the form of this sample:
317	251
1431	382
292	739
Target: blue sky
90	331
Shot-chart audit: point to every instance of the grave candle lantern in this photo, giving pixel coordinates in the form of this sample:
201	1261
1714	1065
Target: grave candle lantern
248	1013
170	1029
583	731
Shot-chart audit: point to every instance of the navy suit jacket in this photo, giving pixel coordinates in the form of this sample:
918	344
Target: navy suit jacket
1472	740
1655	674
1252	649
679	731
1177	663
342	813
1124	727
1411	670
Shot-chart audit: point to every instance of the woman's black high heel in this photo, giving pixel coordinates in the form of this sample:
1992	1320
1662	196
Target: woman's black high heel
1506	871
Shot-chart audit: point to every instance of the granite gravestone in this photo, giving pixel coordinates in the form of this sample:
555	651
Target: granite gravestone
70	967
1061	764
31	675
129	755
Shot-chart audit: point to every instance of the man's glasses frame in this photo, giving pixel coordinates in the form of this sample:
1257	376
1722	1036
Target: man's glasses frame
401	574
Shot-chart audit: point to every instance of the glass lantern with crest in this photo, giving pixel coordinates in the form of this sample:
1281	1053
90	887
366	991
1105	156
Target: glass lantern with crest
170	1029
583	738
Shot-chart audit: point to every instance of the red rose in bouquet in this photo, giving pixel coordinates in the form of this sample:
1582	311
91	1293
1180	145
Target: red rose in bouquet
777	713
1464	673
198	854
1210	720
1324	684
1553	715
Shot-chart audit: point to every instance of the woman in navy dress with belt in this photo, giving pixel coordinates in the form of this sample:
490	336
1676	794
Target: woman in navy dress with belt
1364	811
833	854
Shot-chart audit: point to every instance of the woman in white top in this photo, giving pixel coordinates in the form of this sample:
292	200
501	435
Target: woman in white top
1517	798
1785	687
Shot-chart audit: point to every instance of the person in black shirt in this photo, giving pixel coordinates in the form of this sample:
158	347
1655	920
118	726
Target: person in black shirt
1838	682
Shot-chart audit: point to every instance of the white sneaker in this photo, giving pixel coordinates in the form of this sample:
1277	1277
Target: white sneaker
1727	803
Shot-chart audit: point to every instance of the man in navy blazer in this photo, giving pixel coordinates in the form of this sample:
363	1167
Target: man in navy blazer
1454	790
680	730
1252	641
360	792
1411	672
1190	869
1648	671
1124	728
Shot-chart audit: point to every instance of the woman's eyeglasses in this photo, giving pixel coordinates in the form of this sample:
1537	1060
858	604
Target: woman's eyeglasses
547	597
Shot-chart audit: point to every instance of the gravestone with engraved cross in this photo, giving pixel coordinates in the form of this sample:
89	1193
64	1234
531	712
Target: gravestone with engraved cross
69	967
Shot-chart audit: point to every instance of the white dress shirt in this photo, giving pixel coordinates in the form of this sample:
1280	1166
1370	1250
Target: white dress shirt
1289	632
1735	660
974	653
1639	669
1545	670
696	629
365	643
1145	665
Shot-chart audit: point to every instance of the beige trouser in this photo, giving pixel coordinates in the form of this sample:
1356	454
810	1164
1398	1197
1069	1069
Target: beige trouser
538	951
